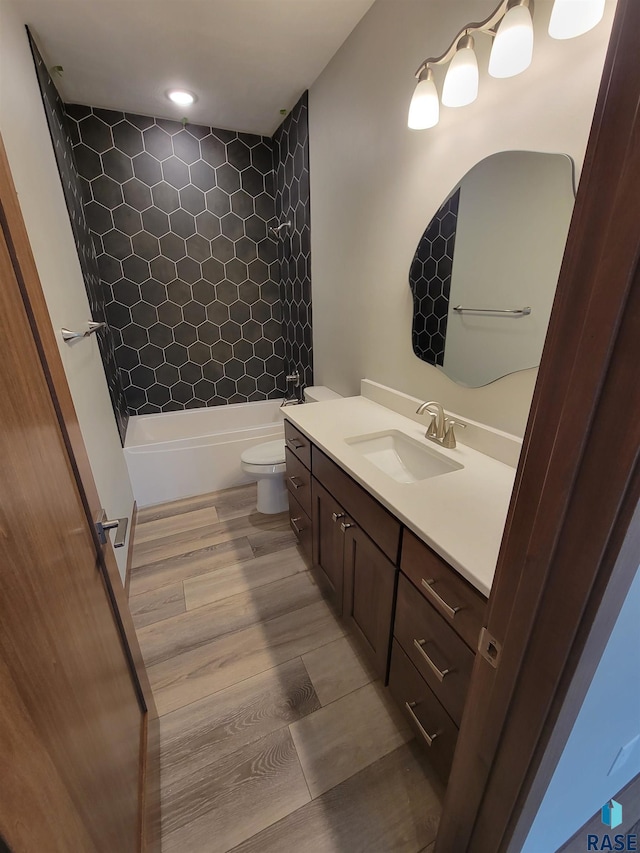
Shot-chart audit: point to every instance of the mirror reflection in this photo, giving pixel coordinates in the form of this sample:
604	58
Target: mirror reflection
484	274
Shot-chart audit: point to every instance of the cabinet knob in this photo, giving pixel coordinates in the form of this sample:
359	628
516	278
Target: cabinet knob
336	516
296	482
346	525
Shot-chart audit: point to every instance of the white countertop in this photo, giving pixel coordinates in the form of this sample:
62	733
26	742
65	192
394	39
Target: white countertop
460	514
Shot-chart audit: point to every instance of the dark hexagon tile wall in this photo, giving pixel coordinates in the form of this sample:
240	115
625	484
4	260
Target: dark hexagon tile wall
179	218
63	147
430	282
291	156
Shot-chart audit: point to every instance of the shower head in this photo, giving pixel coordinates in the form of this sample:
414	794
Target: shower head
276	230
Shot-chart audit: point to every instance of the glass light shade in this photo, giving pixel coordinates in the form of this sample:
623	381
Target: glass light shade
571	18
461	83
424	110
512	49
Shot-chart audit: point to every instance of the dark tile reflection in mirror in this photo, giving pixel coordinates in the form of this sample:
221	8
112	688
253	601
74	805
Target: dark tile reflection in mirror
430	282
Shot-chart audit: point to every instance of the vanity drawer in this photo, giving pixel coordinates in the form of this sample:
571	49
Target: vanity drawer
437	652
373	518
297	443
462	606
434	727
298	479
301	525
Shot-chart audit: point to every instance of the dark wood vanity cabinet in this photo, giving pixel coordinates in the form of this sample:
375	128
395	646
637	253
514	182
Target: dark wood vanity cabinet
369	586
416	618
438	618
328	516
298	480
359	578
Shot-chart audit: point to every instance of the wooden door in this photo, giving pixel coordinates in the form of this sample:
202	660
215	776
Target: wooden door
369	585
328	542
72	712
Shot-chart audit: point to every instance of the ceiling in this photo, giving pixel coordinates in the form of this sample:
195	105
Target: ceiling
244	59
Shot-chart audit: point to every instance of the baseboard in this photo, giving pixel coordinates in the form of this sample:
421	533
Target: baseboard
629	798
132	531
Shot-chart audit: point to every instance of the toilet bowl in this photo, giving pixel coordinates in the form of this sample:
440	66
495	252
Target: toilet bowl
266	463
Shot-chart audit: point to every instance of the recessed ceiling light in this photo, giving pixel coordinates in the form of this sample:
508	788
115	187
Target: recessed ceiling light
181	97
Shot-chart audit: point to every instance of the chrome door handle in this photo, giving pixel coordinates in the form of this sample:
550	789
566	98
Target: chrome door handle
104	524
428	738
448	609
337	515
296	485
346	525
439	673
297	529
68	335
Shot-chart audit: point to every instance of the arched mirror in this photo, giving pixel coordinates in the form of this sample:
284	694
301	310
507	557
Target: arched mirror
484	274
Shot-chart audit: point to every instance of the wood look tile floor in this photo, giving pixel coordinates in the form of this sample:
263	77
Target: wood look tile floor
275	734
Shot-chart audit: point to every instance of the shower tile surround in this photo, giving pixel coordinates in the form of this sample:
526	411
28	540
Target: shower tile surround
430	282
291	159
179	217
62	146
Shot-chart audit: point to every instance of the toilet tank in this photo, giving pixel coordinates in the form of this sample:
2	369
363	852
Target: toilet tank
317	393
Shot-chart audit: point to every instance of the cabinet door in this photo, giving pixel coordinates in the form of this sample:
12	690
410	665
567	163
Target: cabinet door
369	582
328	542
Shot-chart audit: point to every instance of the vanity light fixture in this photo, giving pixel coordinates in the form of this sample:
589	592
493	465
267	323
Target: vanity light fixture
511	26
181	97
512	49
571	18
424	111
461	83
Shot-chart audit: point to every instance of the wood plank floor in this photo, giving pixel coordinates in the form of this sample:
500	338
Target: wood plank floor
275	734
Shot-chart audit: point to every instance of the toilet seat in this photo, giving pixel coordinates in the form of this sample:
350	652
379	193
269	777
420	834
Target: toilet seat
269	453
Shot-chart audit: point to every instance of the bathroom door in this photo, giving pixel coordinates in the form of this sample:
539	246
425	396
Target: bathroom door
73	717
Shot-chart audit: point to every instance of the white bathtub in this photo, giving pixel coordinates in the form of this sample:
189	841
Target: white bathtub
179	454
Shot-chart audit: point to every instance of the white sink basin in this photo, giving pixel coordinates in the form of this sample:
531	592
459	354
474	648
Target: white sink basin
402	458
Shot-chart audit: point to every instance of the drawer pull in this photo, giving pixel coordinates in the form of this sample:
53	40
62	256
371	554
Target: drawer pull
296	482
346	525
295	443
336	516
297	529
448	609
428	738
439	673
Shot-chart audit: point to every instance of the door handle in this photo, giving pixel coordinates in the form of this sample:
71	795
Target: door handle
119	524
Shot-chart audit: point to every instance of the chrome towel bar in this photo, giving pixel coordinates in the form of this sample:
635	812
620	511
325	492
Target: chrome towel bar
514	312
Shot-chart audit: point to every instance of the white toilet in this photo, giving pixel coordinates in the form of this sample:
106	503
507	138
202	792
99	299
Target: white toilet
266	462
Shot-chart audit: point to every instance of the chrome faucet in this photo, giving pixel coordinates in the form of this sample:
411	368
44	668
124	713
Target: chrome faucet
437	426
441	427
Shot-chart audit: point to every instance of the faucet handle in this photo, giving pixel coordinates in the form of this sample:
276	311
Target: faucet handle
449	439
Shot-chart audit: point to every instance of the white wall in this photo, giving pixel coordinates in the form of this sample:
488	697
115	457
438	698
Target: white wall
26	137
375	184
608	720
